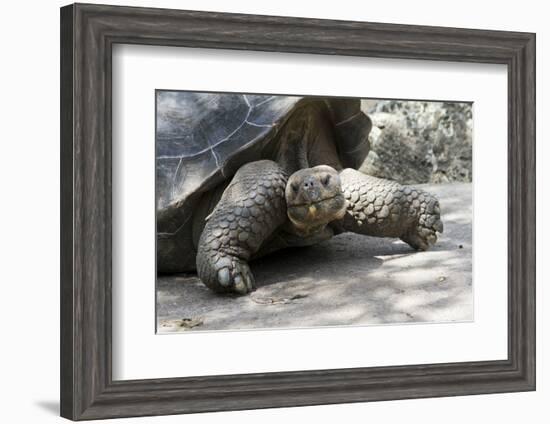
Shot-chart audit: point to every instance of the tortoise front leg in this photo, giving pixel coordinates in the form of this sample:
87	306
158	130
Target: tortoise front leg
251	208
384	208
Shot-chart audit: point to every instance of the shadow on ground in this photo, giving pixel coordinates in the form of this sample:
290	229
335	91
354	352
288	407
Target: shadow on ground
348	280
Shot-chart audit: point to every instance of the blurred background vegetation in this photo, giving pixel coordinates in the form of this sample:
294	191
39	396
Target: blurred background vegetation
419	142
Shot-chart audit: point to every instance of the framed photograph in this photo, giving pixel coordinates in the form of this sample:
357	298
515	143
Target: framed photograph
263	212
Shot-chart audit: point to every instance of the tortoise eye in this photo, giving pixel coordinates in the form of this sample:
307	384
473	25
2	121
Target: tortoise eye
294	187
325	179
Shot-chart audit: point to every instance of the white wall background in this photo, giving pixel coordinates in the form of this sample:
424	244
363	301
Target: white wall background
29	224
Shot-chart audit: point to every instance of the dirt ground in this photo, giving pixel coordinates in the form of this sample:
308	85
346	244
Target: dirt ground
348	280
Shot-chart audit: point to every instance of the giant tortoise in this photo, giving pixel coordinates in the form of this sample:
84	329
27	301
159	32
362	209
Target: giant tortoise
239	176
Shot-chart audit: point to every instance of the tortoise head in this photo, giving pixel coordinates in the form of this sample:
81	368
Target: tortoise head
314	198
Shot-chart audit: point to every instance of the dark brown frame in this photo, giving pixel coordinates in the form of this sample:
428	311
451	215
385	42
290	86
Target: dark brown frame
88	33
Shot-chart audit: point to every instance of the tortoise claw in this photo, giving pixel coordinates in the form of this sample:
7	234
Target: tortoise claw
231	275
423	234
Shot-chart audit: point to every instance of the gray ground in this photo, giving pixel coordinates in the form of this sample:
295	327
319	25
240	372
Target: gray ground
349	280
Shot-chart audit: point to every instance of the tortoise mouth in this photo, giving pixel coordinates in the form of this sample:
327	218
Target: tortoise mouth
316	213
317	202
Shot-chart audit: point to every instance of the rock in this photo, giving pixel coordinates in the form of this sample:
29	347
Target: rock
419	142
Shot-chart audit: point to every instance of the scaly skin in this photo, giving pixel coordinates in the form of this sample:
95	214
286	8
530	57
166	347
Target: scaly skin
250	219
251	208
384	208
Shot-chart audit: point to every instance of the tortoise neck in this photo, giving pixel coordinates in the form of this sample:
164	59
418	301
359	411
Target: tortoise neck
307	139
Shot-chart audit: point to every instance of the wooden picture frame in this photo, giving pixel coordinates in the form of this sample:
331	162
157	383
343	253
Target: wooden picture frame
88	33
